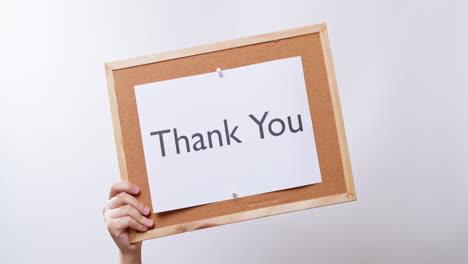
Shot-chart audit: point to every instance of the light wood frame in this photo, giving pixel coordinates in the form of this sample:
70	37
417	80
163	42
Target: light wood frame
350	194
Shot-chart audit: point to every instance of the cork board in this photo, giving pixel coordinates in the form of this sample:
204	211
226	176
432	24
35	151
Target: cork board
311	43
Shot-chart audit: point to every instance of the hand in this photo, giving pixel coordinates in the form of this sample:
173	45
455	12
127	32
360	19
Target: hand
122	212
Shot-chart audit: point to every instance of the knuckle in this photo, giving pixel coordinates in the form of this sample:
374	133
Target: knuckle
107	214
127	209
114	185
109	203
128	221
132	201
117	198
121	195
113	200
112	224
137	225
112	189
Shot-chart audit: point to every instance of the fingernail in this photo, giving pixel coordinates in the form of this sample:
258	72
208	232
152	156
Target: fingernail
144	229
149	222
136	189
146	210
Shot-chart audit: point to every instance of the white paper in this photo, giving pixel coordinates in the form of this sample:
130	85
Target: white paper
201	103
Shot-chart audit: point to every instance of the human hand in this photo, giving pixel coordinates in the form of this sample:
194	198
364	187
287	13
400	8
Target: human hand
121	212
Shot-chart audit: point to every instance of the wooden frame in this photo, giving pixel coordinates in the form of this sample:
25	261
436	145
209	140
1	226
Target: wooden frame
348	195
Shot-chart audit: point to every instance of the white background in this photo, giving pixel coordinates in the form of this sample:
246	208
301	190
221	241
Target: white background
402	75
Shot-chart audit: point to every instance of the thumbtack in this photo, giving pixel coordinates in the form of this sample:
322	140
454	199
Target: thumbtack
220	73
234	195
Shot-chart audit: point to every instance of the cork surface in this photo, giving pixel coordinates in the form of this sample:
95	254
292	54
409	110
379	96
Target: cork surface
309	47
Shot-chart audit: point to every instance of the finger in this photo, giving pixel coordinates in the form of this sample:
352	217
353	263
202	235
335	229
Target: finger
122	223
128	210
120	186
122	199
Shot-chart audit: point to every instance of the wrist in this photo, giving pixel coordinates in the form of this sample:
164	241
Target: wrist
133	257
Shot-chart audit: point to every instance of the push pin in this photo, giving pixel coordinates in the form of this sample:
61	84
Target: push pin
220	73
234	195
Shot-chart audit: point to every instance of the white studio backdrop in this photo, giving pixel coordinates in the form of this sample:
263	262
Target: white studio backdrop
402	76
